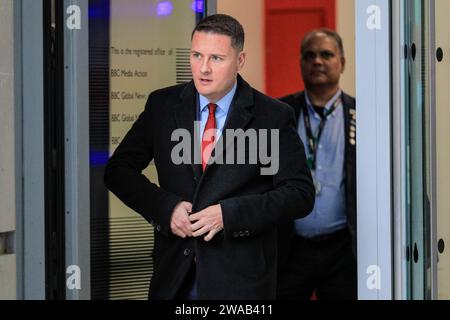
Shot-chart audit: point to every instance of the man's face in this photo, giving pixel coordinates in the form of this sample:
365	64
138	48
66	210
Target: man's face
322	63
214	64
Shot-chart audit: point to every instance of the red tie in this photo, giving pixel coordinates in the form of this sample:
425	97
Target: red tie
209	135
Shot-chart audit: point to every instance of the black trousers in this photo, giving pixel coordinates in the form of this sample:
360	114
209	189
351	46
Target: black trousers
325	265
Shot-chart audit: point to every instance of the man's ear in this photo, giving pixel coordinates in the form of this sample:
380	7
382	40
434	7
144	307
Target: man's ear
241	60
343	64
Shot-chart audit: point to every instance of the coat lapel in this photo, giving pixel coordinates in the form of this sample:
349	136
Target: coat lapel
238	117
299	104
350	134
185	117
350	122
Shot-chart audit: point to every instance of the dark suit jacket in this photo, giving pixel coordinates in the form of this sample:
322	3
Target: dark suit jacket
298	101
240	262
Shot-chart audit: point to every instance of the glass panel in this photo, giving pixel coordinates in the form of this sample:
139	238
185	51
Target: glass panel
136	46
442	25
417	155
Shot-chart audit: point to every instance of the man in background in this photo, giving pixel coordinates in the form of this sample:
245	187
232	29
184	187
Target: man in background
318	253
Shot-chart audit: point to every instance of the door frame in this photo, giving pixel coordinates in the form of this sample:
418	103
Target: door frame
76	108
374	151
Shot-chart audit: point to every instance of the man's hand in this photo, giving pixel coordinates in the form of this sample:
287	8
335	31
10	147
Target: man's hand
180	223
208	220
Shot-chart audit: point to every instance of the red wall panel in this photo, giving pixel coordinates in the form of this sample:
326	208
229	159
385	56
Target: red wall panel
286	22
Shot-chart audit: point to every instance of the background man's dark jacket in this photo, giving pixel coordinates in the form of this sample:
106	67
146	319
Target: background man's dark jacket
286	231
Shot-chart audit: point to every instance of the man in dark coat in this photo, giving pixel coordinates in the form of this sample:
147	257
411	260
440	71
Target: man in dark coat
215	220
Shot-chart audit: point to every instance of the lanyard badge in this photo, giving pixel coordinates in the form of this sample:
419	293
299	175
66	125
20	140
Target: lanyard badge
313	141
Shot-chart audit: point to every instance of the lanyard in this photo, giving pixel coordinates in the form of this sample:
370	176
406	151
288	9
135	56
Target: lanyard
312	140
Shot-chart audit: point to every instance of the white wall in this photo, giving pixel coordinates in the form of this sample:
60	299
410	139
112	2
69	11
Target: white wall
250	14
345	26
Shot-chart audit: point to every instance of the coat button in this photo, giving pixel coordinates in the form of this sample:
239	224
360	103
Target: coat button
241	234
247	233
235	234
187	252
158	227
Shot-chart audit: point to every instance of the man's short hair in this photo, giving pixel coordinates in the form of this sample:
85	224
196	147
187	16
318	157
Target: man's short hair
329	33
225	25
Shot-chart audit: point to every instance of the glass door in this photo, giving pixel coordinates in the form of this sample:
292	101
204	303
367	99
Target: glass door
427	149
441	61
417	156
135	47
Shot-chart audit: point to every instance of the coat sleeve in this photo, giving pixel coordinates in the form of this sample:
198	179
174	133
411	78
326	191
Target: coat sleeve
124	177
293	192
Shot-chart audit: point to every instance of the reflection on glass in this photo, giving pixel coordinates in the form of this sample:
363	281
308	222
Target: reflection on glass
164	8
136	46
198	6
417	153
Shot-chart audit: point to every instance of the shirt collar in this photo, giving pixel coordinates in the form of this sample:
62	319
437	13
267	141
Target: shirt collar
329	103
223	104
